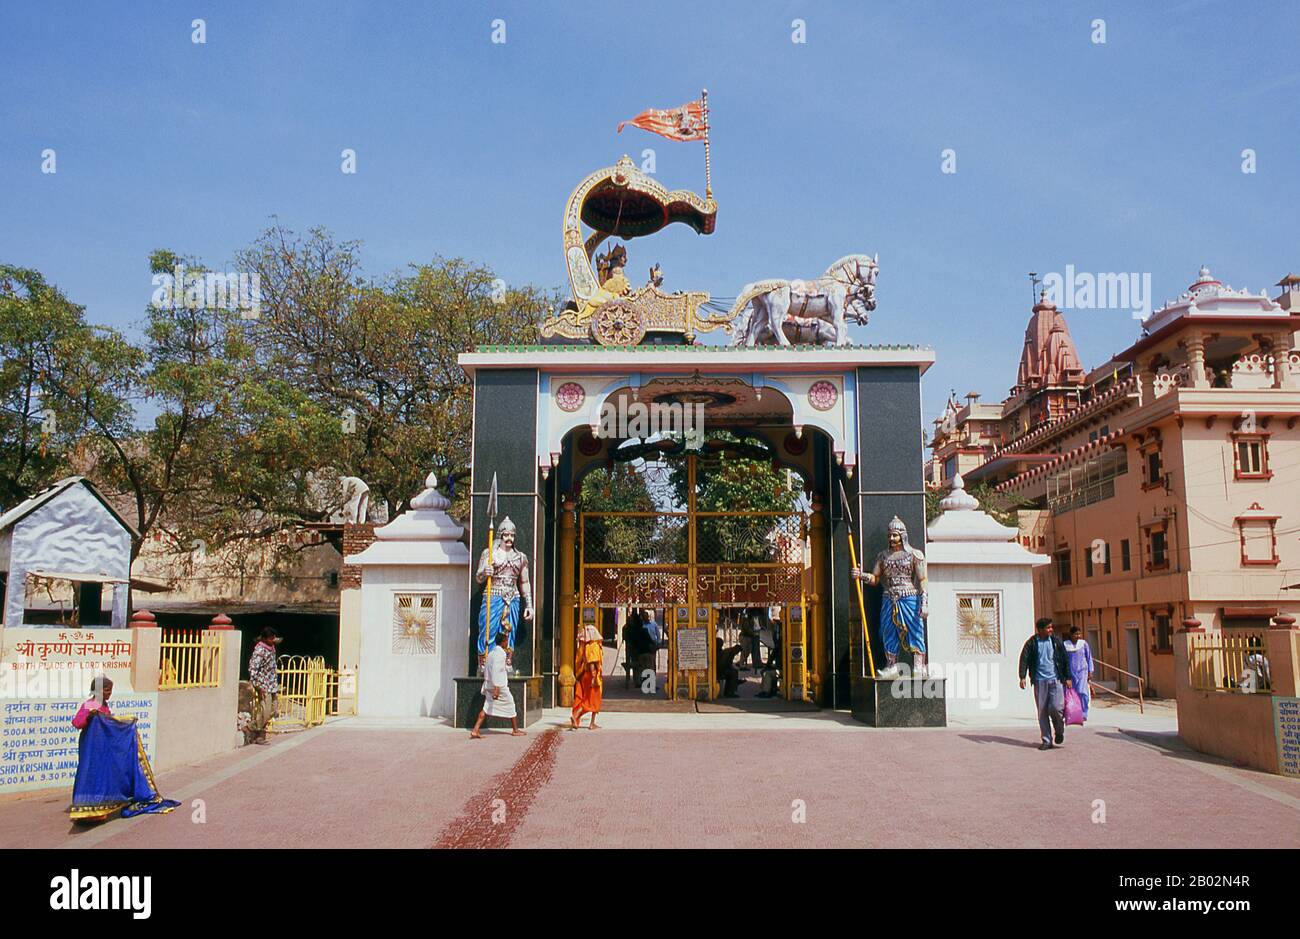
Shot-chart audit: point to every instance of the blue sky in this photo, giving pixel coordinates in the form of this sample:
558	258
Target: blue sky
1123	156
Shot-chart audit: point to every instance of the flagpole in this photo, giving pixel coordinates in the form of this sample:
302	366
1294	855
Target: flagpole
704	108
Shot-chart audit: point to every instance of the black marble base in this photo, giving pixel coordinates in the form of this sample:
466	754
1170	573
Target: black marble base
550	682
527	692
899	702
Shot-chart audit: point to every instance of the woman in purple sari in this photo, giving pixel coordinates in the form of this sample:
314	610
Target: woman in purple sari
1081	665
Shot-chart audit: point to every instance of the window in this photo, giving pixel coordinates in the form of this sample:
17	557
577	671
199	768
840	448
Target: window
1087	564
1250	456
415	623
1258	532
979	625
1154	469
1157	550
1063	568
1162	626
1125	555
1092	481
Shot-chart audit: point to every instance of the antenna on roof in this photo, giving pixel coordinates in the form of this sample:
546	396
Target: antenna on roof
1034	282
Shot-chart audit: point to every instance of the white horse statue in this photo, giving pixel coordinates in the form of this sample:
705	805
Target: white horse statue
808	311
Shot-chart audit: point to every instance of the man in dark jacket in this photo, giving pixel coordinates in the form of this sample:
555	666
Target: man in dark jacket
1045	662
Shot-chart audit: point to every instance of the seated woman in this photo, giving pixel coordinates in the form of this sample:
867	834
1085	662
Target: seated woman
113	771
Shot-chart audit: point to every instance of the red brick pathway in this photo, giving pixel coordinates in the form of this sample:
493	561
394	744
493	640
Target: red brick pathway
372	786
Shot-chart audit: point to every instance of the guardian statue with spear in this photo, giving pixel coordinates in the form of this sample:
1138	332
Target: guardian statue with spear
509	592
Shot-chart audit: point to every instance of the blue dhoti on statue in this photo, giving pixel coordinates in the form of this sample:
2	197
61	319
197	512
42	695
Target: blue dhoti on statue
901	624
113	773
494	617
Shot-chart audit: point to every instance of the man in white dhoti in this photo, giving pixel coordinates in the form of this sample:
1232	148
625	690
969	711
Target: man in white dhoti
497	699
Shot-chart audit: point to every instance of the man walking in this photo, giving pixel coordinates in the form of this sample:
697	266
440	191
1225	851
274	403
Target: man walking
1045	662
497	699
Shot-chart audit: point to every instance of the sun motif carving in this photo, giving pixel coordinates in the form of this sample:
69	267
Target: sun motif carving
823	395
569	396
415	624
979	627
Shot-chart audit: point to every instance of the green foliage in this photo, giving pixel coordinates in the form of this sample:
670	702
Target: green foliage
620	540
253	421
39	330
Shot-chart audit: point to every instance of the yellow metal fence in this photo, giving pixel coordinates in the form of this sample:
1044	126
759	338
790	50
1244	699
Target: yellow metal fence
1233	663
189	658
308	691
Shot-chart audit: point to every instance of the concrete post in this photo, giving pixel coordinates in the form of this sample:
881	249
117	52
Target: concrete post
146	652
1282	361
1195	343
1282	646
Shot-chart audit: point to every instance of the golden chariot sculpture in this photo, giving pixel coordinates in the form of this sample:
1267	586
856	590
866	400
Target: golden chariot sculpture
620	201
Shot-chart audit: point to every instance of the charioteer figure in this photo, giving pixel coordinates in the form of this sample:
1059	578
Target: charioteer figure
904	600
613	282
512	592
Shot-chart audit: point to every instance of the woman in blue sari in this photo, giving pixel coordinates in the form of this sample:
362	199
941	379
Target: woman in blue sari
113	771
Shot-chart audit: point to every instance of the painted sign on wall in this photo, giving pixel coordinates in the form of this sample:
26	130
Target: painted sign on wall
38	744
1286	726
59	663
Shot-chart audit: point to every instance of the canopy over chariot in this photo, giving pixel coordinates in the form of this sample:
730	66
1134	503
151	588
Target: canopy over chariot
620	201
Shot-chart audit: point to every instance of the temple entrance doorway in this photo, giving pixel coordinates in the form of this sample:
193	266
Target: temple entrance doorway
692	556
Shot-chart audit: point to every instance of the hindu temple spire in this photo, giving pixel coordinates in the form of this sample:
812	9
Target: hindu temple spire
1049	356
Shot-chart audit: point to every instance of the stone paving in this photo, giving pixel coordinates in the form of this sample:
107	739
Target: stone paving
711	780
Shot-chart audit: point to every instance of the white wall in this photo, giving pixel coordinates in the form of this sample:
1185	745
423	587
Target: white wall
982	685
404	685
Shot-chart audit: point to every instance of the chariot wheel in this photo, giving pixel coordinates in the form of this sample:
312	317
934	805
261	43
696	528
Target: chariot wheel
618	322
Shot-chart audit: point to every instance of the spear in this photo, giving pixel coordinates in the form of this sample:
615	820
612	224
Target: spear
487	594
853	556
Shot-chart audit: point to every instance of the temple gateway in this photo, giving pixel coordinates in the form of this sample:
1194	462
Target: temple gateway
710	466
643	468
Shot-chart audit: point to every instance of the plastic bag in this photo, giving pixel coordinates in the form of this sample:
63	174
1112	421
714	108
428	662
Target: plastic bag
1073	707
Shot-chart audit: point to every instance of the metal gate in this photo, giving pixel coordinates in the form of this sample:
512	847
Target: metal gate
693	564
304	691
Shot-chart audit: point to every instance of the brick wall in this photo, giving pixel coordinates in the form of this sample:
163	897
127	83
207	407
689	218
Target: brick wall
356	538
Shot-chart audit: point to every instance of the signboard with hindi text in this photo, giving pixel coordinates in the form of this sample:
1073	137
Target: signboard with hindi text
38	662
1286	725
692	649
38	744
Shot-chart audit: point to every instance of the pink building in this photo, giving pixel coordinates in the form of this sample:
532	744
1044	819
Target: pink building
1167	489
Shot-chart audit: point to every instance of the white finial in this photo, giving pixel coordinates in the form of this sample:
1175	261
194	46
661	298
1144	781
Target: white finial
959	500
431	498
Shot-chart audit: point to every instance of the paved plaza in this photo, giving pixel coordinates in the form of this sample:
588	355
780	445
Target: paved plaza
719	780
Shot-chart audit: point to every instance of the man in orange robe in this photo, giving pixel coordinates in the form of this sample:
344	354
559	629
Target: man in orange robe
589	686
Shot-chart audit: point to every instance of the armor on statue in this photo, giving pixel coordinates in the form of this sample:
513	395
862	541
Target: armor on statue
904	604
511	596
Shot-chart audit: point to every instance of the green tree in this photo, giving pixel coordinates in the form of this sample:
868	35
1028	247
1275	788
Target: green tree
39	329
621	540
379	356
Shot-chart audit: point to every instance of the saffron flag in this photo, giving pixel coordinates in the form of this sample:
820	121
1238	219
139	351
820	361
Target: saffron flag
684	123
